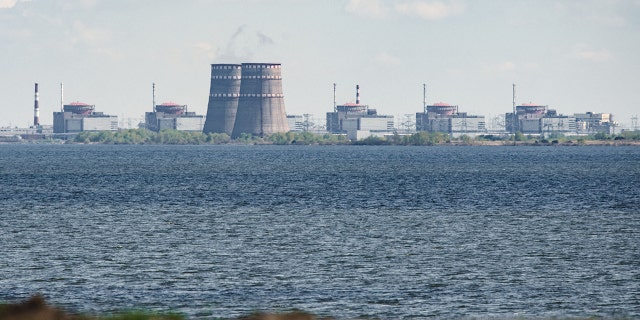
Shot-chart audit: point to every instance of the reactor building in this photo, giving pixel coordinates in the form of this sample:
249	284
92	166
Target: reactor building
358	121
246	98
533	118
173	116
78	116
445	118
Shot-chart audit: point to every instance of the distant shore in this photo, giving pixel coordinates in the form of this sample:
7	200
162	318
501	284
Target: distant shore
37	308
173	137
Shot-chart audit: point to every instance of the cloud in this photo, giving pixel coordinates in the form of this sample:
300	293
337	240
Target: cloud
368	8
88	35
584	52
206	49
430	10
505	66
94	40
594	55
8	4
387	59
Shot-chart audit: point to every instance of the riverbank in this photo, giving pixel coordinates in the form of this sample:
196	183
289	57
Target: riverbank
36	308
173	137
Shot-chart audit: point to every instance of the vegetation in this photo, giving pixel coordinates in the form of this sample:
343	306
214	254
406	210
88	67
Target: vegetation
36	308
143	136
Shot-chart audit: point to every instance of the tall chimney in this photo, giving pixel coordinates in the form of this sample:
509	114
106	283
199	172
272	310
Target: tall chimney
424	97
154	97
36	108
357	94
334	98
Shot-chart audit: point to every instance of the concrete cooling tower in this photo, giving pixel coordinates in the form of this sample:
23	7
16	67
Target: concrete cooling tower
223	98
261	103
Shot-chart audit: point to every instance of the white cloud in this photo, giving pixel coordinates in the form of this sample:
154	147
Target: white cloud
584	52
89	35
387	59
505	66
369	8
594	55
430	10
7	4
206	49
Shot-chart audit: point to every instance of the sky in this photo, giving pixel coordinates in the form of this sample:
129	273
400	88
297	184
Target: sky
574	55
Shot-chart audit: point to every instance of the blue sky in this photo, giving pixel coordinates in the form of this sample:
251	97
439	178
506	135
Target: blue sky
574	56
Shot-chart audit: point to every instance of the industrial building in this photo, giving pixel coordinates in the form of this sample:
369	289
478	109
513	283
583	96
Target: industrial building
261	102
224	93
296	123
589	123
358	121
170	115
445	118
531	118
78	117
246	98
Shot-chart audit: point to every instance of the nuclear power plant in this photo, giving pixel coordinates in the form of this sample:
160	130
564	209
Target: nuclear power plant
223	98
246	98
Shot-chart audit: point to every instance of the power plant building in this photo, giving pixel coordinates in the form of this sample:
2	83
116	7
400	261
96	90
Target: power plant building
358	121
445	118
261	108
246	99
78	117
296	123
224	93
534	118
173	116
589	122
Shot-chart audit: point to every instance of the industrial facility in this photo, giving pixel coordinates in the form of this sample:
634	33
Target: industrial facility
357	121
589	122
531	118
78	117
246	98
224	93
171	115
445	118
296	123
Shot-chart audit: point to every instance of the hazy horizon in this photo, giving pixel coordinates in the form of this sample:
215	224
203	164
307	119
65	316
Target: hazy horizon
574	56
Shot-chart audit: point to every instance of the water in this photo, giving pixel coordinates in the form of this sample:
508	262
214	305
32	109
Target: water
343	231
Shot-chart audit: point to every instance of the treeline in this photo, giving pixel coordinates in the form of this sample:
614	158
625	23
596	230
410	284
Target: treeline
143	136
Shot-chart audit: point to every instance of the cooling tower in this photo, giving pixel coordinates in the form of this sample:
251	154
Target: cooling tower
261	103
223	98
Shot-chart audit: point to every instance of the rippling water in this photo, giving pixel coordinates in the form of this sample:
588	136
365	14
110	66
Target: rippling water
343	231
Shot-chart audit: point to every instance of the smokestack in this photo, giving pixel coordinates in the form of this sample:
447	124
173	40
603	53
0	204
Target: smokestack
334	98
154	97
424	97
515	117
61	97
357	94
36	108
